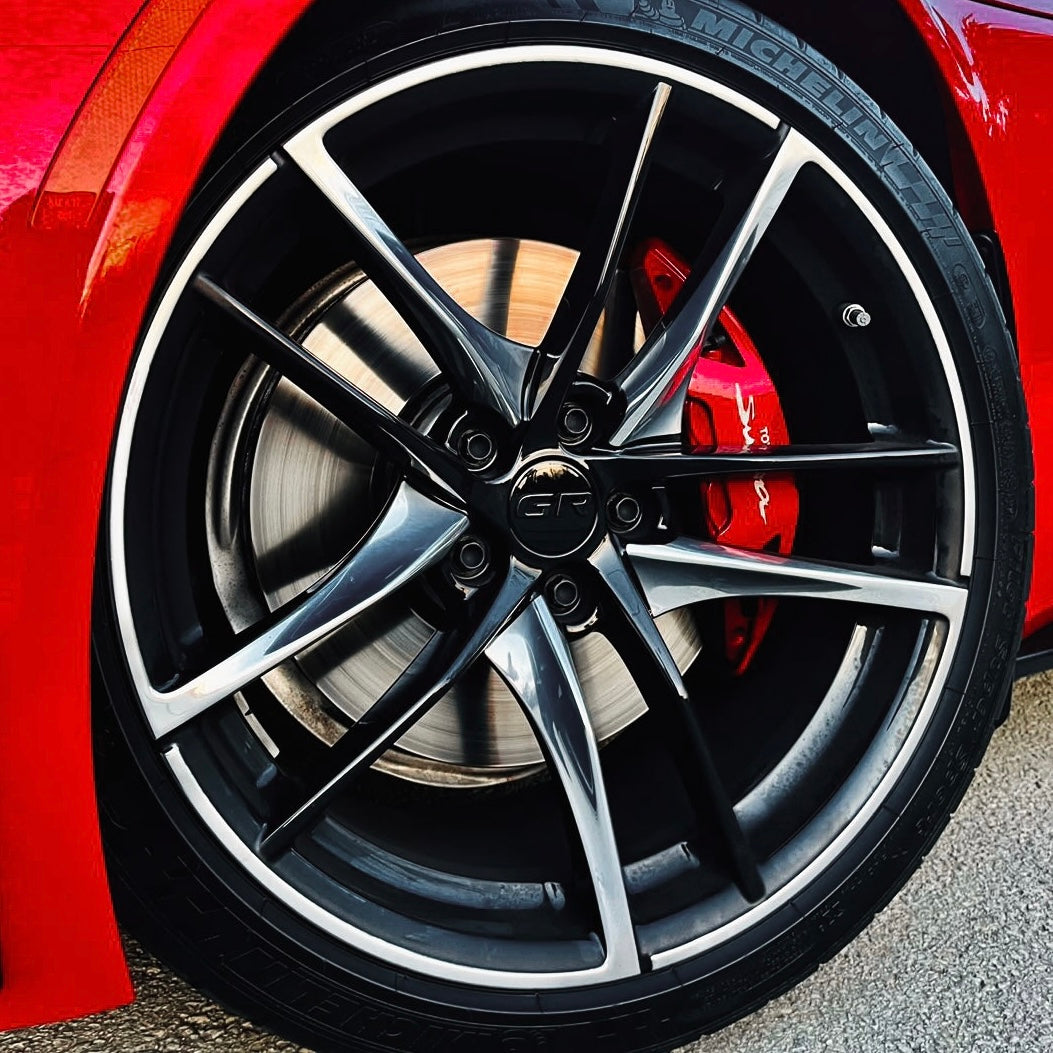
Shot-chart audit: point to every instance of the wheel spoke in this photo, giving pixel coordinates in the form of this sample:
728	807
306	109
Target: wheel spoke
660	462
412	534
533	659
686	571
500	283
445	658
629	626
587	291
482	366
617	343
655	382
434	470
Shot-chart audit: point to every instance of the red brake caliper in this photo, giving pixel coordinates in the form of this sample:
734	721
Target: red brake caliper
732	407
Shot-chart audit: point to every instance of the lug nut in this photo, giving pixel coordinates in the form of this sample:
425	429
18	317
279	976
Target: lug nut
855	316
477	448
470	558
575	424
624	511
563	594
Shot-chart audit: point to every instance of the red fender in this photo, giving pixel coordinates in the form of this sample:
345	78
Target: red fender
80	247
996	62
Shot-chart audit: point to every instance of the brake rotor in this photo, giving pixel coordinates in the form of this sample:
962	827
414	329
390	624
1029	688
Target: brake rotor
732	407
308	495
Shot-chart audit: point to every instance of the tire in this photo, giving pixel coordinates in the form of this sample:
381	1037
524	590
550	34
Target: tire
187	804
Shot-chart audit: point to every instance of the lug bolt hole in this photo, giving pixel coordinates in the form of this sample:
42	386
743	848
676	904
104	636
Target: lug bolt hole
477	448
624	512
575	424
563	595
471	559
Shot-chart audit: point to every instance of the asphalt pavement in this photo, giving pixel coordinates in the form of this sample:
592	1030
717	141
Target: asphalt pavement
961	961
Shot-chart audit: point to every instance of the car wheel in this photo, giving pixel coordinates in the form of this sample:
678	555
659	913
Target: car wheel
566	538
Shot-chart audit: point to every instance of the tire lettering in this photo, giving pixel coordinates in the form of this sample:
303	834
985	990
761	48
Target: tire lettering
788	65
765	50
715	26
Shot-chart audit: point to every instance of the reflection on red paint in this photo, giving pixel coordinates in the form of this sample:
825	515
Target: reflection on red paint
80	245
996	63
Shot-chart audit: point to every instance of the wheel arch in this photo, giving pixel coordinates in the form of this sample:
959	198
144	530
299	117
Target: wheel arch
925	96
860	39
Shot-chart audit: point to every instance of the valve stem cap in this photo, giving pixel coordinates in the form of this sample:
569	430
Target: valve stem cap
855	316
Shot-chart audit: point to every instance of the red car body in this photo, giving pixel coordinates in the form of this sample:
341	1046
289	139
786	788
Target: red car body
110	111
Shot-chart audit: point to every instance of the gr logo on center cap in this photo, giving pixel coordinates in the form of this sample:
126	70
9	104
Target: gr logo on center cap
552	509
553	505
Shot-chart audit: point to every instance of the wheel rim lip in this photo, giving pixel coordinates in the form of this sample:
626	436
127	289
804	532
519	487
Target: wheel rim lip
359	938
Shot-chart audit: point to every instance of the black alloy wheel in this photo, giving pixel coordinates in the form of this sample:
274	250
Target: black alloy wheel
419	723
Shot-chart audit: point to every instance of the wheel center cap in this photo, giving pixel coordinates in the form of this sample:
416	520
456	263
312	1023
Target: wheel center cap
552	509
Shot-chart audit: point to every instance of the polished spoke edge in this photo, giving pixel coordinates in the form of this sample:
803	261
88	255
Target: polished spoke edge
578	313
427	679
410	536
533	658
482	366
654	384
655	462
435	470
637	639
685	571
